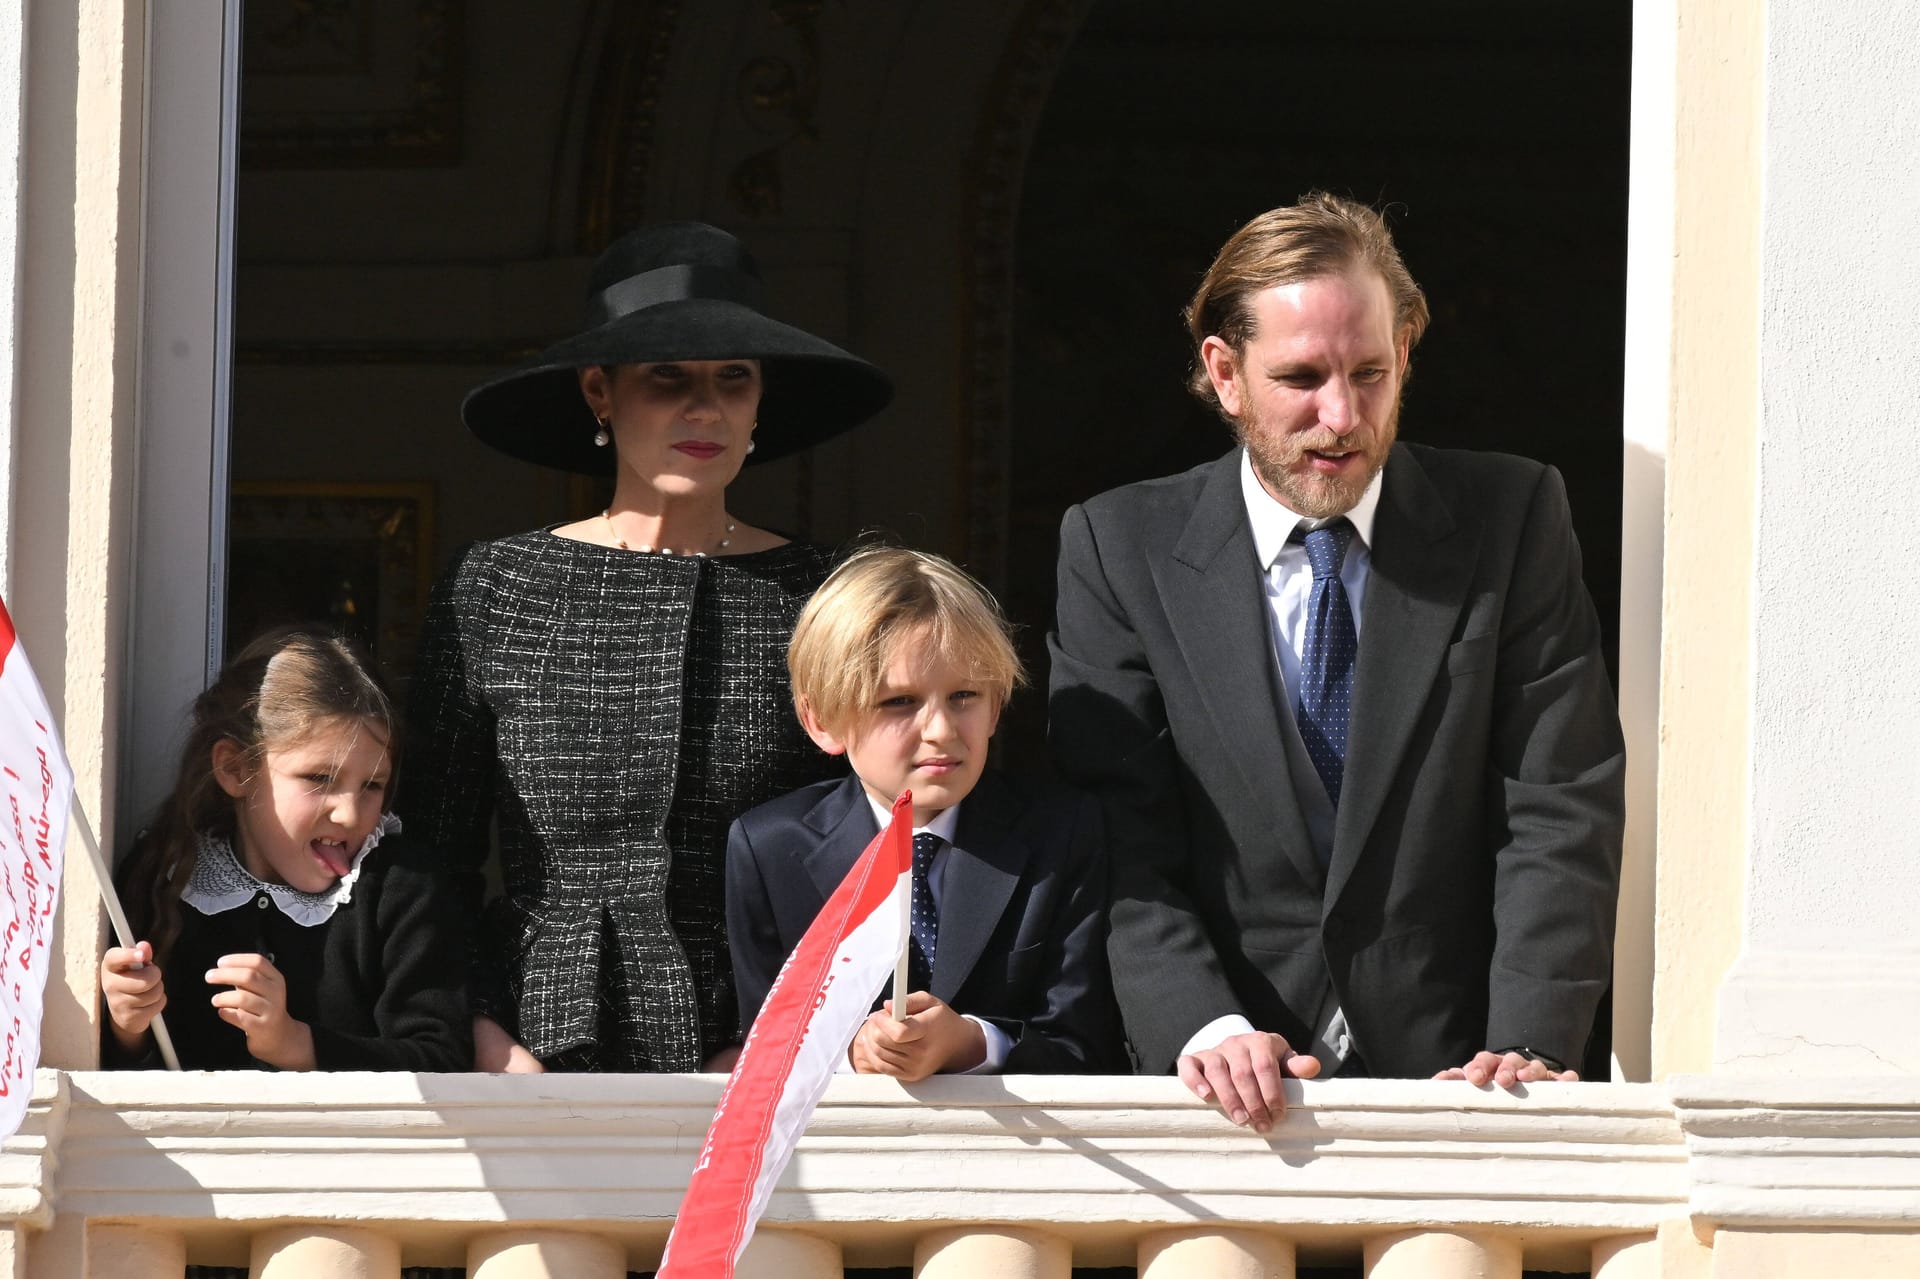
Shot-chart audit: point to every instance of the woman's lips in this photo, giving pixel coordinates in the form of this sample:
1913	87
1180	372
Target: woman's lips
700	448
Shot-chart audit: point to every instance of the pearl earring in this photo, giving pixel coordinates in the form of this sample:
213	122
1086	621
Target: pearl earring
602	437
751	445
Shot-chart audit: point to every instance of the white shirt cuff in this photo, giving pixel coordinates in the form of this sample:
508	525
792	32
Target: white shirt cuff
1217	1031
999	1044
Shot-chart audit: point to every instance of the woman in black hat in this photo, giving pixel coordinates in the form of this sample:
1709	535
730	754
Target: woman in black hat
612	692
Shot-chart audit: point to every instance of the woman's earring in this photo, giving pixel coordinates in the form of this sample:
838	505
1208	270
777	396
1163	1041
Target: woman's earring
602	437
751	445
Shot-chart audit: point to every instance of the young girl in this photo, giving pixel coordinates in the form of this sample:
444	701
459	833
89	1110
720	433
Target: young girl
286	922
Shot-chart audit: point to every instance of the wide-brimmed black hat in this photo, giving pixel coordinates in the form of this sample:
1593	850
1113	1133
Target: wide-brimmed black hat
678	291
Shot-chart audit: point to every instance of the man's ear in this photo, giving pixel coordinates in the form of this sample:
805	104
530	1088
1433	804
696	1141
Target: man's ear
229	768
597	388
1405	345
823	737
1223	370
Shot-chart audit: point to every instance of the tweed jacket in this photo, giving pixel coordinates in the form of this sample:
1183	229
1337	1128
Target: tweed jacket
611	712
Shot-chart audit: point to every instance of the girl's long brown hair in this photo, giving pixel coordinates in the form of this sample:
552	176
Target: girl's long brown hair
276	693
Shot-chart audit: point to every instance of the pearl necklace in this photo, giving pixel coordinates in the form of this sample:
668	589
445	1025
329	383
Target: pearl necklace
725	541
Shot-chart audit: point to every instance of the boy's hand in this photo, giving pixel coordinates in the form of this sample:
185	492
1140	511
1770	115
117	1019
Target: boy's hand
131	983
933	1039
257	1004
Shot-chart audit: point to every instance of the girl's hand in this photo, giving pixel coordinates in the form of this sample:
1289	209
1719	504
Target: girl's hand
498	1053
931	1039
131	983
257	1004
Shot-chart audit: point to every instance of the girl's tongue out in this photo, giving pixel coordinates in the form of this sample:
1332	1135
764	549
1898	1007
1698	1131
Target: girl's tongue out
333	856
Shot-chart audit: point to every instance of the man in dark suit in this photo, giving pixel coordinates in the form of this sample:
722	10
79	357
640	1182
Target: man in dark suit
1345	703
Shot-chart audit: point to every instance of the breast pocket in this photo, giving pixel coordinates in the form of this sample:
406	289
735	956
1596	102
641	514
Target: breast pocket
1475	652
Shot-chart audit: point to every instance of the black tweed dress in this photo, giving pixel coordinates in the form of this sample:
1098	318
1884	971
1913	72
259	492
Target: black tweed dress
613	711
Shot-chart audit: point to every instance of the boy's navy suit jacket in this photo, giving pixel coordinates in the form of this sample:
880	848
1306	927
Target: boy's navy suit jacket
1022	910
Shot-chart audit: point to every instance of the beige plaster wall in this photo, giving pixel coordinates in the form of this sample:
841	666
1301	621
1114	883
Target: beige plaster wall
1706	601
79	343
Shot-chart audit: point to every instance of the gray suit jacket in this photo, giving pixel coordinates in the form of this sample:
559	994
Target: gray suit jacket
1469	900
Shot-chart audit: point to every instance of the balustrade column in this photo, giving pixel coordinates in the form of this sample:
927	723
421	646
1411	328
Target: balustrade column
313	1251
122	1250
1627	1257
1442	1254
1216	1254
13	1253
788	1254
545	1254
1005	1252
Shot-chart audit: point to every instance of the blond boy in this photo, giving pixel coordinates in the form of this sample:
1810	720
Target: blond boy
902	663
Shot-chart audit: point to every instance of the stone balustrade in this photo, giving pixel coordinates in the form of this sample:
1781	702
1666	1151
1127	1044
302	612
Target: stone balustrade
132	1175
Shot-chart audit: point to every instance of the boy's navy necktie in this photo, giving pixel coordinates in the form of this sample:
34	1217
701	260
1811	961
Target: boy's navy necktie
1326	668
925	917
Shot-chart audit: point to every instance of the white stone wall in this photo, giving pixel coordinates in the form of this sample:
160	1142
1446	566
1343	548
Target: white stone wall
1830	979
13	28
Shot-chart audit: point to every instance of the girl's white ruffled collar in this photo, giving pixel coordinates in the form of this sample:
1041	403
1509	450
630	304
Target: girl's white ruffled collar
220	882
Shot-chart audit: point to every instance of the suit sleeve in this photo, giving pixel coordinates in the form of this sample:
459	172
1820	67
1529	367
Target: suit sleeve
1076	1030
1107	726
1556	775
417	976
753	934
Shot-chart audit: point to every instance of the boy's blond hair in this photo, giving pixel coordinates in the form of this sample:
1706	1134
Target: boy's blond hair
852	628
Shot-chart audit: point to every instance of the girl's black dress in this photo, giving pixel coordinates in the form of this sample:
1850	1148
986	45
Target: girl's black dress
612	712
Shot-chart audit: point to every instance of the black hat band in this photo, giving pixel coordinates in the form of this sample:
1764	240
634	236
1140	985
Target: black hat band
681	282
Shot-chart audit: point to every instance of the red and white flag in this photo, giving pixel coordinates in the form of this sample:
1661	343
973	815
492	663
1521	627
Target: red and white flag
824	991
36	787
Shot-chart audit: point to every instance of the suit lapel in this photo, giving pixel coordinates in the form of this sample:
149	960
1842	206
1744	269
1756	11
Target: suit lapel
982	869
1422	562
1218	613
842	826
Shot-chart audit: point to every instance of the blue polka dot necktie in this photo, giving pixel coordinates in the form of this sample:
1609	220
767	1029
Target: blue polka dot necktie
925	918
1326	668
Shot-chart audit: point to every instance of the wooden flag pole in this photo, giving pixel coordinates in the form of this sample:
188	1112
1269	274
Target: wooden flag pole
103	873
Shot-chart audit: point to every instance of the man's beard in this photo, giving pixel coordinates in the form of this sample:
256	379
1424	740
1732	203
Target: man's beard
1318	497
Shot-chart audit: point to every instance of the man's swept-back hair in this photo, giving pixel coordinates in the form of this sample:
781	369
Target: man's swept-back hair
1322	235
853	627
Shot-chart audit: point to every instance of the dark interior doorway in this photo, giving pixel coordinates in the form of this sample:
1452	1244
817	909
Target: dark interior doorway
1497	138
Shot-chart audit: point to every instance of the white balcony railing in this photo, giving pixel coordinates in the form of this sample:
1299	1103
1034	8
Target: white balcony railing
312	1175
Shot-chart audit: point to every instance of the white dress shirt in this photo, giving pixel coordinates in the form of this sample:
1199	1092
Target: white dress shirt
1287	575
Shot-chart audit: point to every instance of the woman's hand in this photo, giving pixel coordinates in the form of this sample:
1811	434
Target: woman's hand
131	983
722	1061
931	1039
498	1053
257	1004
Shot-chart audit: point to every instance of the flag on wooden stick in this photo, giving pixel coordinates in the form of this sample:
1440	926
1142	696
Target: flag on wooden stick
824	991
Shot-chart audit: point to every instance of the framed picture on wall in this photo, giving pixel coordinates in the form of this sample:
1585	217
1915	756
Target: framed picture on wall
356	557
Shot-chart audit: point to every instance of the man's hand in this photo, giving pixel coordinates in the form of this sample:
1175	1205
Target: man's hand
1243	1075
931	1039
498	1053
1508	1069
257	1004
131	983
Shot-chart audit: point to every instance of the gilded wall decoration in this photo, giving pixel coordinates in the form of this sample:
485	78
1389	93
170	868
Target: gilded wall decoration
622	113
356	557
352	83
780	95
1024	78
